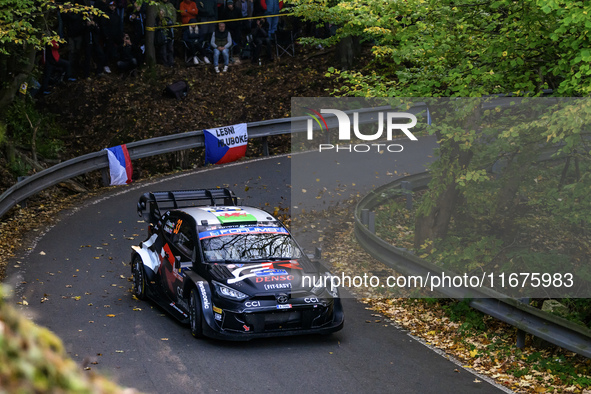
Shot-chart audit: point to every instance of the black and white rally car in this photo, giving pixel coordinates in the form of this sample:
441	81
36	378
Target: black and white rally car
231	272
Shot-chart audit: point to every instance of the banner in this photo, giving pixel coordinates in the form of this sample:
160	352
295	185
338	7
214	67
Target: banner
119	165
225	144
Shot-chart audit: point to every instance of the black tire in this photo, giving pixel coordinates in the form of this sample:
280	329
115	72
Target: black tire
139	278
195	314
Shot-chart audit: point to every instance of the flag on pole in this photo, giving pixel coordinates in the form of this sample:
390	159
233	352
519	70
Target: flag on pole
119	165
225	144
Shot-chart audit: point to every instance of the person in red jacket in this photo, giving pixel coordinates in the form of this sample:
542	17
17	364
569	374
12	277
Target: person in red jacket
53	61
188	10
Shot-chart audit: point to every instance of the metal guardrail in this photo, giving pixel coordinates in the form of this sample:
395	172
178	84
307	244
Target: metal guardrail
548	327
543	325
156	146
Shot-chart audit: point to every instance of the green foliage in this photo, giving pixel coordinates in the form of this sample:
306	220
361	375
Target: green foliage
30	22
22	118
470	319
33	360
466	48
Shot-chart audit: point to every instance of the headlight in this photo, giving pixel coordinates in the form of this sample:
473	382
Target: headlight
228	292
325	282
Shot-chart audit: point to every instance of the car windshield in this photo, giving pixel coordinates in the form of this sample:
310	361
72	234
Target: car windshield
244	244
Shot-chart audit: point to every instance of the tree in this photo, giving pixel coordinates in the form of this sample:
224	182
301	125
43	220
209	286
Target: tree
461	48
27	26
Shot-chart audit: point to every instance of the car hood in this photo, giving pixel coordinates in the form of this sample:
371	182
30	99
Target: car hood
267	277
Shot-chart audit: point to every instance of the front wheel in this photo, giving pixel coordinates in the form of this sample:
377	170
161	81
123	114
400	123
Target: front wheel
139	278
195	315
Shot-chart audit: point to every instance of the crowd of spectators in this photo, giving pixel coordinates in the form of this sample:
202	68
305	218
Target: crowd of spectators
97	45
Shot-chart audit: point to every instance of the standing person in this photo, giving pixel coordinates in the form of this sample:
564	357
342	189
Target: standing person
138	22
272	9
260	37
52	62
208	11
246	10
164	39
121	5
169	11
112	36
92	48
221	42
74	28
230	13
188	10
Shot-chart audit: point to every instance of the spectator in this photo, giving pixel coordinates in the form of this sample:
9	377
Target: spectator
188	10
195	45
74	28
221	42
272	9
53	62
164	39
112	36
169	11
260	37
259	7
92	48
246	8
208	12
127	60
230	13
121	5
138	21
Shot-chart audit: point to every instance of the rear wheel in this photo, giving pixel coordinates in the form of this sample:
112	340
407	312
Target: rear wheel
195	315
139	278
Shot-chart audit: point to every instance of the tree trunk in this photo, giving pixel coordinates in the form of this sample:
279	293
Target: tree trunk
15	73
443	193
150	49
346	51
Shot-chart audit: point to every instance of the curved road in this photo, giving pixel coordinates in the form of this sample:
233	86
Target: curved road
74	278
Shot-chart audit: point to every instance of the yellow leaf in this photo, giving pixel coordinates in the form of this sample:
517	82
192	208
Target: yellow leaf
110	315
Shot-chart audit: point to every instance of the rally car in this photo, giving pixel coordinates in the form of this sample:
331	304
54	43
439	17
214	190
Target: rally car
229	271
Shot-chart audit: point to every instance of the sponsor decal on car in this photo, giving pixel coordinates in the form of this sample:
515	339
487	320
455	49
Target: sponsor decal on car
311	300
203	295
242	230
250	304
231	214
263	272
217	316
280	278
216	309
284	306
276	286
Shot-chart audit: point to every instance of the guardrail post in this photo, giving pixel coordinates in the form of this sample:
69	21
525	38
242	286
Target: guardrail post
520	340
406	189
106	177
371	222
318	253
265	146
365	216
22	203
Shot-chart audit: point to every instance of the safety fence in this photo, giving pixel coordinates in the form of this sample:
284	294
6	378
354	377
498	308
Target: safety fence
544	325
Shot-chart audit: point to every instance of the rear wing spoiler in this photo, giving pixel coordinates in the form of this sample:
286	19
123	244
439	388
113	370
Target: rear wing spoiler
151	205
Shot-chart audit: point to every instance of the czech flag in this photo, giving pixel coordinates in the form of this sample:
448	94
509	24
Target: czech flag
225	144
119	165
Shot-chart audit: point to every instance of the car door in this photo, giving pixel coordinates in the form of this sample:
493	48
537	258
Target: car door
181	247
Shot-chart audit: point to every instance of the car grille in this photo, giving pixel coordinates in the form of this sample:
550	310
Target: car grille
293	319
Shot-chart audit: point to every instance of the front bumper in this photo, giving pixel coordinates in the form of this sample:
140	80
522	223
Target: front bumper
265	322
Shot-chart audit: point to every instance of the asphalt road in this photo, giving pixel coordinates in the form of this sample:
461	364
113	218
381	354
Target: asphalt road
75	282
